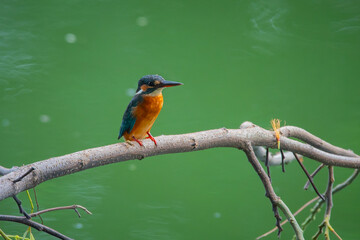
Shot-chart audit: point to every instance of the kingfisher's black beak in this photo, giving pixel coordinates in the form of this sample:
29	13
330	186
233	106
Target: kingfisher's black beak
169	84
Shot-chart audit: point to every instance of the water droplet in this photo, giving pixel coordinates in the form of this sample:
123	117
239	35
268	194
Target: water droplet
142	21
130	92
132	167
5	122
70	38
44	118
217	215
78	225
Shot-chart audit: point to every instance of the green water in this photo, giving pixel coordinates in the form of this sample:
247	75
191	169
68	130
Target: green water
67	72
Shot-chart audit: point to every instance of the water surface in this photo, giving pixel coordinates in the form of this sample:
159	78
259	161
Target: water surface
68	70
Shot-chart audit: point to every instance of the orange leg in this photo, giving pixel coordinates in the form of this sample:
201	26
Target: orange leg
151	137
138	141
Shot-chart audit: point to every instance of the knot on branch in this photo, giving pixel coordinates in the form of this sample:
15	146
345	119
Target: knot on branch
225	129
140	157
194	144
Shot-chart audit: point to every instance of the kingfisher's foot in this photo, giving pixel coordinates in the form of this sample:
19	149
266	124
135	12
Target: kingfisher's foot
138	141
151	137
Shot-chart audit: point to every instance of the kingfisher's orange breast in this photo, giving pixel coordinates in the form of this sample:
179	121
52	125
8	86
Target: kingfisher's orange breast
145	113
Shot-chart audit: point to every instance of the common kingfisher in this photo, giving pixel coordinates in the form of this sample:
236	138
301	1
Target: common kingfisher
144	108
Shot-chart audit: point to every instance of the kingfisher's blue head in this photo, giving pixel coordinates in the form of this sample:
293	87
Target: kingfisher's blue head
154	84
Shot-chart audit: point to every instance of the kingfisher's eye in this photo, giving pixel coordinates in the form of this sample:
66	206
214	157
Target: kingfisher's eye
151	84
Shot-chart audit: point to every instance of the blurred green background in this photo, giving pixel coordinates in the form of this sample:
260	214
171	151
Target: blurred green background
68	70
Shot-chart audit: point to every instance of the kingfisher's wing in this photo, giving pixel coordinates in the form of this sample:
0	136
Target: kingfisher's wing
129	119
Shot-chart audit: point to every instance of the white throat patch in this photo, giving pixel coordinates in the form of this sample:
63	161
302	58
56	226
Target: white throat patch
155	93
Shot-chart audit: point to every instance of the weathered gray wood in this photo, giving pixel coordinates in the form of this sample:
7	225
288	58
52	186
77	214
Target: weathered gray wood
236	138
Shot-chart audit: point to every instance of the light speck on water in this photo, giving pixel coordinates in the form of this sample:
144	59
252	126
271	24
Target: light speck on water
70	38
44	118
78	225
5	122
217	215
142	21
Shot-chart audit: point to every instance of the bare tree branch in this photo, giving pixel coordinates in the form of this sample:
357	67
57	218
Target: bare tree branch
37	205
309	177
60	208
236	138
306	186
265	178
303	135
21	209
42	227
282	160
318	205
329	204
33	224
285	221
267	163
270	193
320	202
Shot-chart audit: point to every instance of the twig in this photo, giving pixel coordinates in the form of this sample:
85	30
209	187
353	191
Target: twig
329	201
329	204
273	159
306	186
291	218
4	235
320	202
282	160
267	163
285	221
309	177
24	175
77	212
61	208
347	182
317	206
41	227
36	200
37	206
33	224
278	218
270	193
21	209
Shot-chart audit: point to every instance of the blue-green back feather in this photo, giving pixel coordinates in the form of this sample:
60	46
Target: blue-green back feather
129	119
